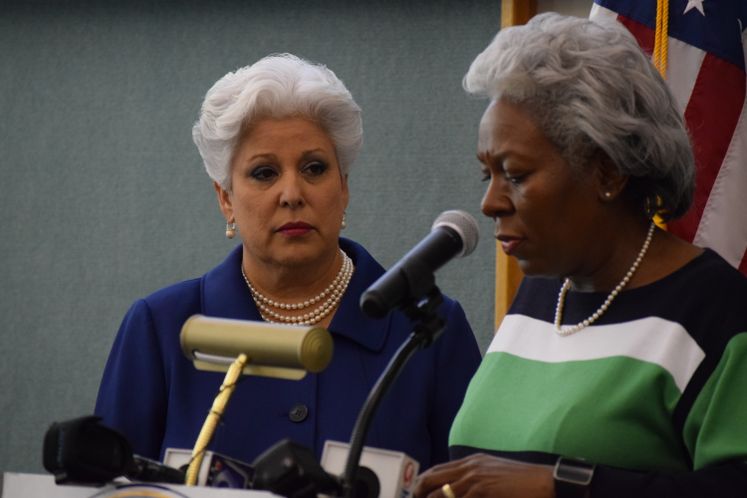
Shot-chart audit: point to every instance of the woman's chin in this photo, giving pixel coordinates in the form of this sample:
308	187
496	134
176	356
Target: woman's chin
534	268
297	253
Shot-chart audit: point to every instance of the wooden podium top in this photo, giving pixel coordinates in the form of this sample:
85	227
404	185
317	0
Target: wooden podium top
17	485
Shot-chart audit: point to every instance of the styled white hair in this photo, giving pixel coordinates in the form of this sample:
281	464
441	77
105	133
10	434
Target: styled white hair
590	87
277	86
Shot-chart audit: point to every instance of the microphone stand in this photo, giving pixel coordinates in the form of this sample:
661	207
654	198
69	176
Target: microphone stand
428	328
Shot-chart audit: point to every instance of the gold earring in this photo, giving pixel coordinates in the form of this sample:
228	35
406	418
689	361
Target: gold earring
230	230
344	223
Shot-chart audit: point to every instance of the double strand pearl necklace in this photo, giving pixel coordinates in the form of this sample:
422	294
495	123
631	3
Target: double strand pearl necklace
571	329
333	294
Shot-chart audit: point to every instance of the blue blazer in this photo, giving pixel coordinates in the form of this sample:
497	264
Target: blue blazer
153	394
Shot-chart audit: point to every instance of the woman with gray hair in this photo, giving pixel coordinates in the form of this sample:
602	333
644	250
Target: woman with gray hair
278	139
621	368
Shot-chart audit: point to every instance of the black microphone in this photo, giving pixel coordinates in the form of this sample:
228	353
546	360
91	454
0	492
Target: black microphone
454	234
147	470
291	470
82	451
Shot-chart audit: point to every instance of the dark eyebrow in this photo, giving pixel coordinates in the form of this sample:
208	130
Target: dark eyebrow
263	155
311	152
503	155
272	157
486	158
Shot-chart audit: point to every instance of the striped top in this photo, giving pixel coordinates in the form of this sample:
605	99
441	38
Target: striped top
658	383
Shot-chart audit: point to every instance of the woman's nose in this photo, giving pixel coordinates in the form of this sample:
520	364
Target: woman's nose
291	191
496	202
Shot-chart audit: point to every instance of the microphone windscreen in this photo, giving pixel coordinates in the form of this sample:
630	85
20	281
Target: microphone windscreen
289	469
366	483
464	224
81	451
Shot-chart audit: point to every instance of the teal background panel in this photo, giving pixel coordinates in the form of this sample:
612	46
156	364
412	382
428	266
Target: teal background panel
103	195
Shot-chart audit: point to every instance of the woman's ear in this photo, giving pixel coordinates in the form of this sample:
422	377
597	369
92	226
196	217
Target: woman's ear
224	201
609	181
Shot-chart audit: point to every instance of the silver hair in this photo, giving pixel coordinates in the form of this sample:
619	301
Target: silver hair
277	86
590	87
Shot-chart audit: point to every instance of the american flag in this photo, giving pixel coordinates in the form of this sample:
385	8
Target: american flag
706	73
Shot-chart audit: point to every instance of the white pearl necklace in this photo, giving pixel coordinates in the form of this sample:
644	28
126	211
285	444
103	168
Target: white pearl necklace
335	291
571	329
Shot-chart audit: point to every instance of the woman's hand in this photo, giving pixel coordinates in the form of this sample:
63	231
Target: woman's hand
489	476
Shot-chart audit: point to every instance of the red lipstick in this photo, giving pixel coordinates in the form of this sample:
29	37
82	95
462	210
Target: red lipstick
295	229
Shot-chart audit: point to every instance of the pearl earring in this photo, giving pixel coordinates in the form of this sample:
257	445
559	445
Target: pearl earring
344	223
608	195
230	230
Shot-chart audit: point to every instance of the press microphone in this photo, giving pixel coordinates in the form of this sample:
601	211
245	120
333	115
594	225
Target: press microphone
289	469
453	234
394	471
147	470
216	470
83	451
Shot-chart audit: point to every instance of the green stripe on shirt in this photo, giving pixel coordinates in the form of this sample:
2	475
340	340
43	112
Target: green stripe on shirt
560	408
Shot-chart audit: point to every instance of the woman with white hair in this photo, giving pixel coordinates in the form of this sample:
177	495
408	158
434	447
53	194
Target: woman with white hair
621	368
278	139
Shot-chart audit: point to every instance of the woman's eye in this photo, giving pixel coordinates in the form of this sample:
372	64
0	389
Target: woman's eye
263	173
485	176
515	179
315	168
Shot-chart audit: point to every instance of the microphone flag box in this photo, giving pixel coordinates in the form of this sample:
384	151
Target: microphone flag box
216	470
396	470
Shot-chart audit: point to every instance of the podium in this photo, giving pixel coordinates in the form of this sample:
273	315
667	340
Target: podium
18	485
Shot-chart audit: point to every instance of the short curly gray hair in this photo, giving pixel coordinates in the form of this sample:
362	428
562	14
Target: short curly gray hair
277	86
590	87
